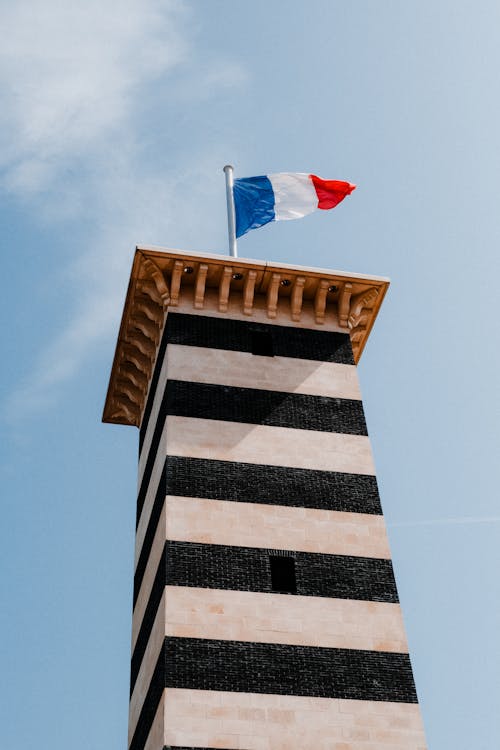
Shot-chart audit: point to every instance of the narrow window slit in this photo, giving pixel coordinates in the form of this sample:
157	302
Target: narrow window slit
283	579
262	343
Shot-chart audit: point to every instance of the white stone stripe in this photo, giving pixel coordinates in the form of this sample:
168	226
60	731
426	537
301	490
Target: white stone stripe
279	446
226	522
211	718
147	668
279	618
245	370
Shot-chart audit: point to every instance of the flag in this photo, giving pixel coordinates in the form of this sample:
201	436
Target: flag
288	195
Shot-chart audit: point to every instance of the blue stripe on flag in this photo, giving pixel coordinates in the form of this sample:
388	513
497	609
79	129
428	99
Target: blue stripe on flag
253	203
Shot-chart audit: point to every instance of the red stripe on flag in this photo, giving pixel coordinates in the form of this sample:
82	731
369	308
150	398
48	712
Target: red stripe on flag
330	192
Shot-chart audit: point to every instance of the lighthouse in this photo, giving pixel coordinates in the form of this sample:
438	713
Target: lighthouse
265	609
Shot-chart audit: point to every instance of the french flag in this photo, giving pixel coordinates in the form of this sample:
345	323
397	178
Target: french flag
287	195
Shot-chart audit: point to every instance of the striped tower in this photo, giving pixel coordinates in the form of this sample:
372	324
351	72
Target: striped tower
266	615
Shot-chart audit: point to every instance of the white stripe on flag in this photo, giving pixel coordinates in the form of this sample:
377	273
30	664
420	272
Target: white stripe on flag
294	195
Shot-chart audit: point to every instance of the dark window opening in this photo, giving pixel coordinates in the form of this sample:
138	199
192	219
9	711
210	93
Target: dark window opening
262	343
283	574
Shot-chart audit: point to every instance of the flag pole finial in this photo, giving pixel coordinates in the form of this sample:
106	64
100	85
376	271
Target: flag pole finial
231	217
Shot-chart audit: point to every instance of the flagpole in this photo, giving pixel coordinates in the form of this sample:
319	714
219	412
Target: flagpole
231	217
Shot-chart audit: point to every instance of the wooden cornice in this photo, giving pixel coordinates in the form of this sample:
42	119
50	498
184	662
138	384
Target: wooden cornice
164	279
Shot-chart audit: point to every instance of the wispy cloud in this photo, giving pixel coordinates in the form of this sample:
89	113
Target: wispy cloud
71	72
77	78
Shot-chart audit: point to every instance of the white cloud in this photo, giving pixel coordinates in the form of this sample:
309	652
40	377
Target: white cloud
77	77
70	73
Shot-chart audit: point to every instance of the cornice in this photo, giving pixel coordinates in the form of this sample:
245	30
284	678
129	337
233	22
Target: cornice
219	284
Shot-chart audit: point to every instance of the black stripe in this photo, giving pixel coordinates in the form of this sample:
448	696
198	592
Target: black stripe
237	666
152	389
272	485
148	619
150	705
258	406
273	668
236	335
150	533
217	566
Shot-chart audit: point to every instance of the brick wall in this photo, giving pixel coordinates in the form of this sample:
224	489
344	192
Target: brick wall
245	457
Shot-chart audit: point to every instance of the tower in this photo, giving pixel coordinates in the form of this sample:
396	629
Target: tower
265	614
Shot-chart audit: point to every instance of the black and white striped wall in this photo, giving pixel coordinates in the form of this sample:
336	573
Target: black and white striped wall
266	614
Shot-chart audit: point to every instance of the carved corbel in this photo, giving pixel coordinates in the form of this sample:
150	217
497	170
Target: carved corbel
296	297
148	288
159	280
363	318
175	282
224	287
320	301
357	333
128	407
199	290
272	295
249	291
132	354
146	326
130	371
153	311
129	389
119	415
143	343
344	302
359	302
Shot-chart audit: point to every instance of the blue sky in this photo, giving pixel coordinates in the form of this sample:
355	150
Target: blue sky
116	121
